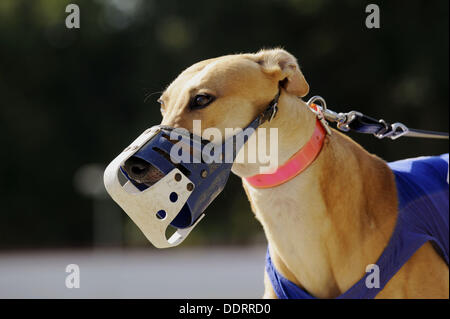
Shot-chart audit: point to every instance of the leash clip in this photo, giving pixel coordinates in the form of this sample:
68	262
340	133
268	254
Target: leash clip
393	131
345	119
358	122
319	111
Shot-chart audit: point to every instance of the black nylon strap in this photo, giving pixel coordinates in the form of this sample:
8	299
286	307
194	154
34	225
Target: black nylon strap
361	123
368	125
269	113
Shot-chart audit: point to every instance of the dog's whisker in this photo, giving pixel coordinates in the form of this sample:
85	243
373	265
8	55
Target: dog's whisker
151	94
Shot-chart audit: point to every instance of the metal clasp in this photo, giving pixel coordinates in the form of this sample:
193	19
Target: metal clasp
345	119
393	132
274	111
319	112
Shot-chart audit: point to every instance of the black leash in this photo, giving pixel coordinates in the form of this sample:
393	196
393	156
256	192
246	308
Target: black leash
358	122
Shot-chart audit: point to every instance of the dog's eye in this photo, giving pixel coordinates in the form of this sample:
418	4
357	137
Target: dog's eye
201	100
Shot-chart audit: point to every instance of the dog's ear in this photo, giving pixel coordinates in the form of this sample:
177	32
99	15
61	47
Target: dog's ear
284	67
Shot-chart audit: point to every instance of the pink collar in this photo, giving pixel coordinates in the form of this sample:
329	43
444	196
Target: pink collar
295	165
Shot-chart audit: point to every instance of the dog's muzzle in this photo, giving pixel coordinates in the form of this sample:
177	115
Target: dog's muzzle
156	190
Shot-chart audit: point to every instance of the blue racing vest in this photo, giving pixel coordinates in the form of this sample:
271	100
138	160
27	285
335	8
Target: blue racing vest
423	215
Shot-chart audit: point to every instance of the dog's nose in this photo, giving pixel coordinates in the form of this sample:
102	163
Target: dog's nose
142	171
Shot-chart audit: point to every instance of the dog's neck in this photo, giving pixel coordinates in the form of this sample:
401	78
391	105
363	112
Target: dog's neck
295	124
328	223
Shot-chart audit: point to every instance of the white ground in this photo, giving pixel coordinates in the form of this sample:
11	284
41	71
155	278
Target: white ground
212	272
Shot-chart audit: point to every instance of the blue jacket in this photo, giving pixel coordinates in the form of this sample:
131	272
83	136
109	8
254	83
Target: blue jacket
423	215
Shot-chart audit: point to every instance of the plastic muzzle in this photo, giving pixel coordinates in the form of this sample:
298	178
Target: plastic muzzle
155	191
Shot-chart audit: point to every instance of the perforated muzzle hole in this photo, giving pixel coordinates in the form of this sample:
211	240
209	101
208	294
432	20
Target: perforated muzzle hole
173	197
161	214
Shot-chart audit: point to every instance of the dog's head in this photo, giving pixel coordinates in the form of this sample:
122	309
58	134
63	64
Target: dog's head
225	92
230	91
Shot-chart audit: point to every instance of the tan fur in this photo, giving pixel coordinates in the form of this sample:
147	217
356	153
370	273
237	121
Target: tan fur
327	224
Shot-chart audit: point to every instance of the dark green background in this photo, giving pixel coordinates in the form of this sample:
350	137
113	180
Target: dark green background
72	97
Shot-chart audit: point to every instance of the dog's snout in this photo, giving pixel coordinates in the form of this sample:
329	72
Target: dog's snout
139	169
142	171
136	168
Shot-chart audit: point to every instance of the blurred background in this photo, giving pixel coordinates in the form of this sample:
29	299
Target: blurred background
72	99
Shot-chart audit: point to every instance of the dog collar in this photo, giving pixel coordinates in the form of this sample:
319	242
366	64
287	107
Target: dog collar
298	162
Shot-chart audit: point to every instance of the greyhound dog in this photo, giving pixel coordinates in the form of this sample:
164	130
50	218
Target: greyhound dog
325	224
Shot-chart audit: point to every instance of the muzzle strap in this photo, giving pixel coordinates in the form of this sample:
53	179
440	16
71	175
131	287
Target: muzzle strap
269	113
